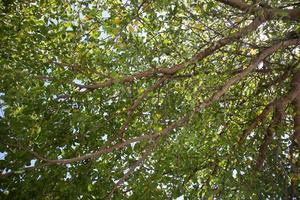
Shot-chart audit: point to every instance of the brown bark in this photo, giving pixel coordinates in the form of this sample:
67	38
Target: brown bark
296	135
268	13
282	102
277	116
296	102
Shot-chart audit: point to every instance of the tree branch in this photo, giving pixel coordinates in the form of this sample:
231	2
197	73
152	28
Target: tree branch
277	117
256	121
296	135
239	4
268	13
132	168
138	102
282	102
174	69
245	72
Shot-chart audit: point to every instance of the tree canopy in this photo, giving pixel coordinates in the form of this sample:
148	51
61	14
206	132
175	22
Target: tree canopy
144	99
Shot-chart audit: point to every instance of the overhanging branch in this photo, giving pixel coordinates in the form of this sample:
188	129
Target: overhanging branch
176	68
296	135
268	13
277	116
282	102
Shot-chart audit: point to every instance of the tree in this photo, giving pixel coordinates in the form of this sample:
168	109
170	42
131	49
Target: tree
150	99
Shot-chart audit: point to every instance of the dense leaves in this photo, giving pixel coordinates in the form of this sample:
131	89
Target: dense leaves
149	99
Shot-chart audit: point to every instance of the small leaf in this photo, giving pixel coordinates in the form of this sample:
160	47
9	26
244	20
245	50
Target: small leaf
117	20
253	51
130	28
141	90
157	129
90	187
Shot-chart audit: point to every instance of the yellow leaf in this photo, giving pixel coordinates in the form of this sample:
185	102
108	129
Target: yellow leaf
115	31
157	129
36	129
199	27
117	20
243	50
238	19
17	111
253	51
86	18
120	45
141	90
136	23
130	28
71	34
90	187
158	116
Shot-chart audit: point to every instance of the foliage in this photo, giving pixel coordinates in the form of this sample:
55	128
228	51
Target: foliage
149	99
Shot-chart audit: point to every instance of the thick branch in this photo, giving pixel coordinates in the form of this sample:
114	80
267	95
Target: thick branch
97	153
282	102
174	69
107	149
256	121
23	170
296	135
245	72
296	85
268	13
277	116
239	4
